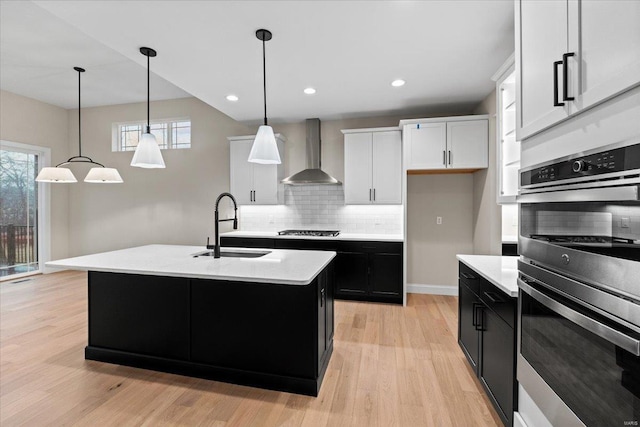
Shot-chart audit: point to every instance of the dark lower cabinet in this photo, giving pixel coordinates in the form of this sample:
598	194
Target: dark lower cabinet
259	334
468	333
498	362
139	314
364	270
386	270
352	271
487	328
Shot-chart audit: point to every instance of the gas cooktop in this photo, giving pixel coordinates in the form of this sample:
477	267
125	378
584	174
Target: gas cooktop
313	233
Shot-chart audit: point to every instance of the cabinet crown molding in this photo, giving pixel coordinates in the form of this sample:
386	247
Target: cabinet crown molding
444	119
385	129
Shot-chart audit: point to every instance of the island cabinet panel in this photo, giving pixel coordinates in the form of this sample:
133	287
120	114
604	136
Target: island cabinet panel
265	335
253	326
139	314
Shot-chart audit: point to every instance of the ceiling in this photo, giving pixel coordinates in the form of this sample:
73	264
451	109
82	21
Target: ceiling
349	51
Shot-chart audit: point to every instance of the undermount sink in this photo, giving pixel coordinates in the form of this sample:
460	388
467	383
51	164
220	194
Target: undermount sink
234	254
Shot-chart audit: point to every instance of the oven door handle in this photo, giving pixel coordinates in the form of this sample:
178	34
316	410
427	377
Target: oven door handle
604	194
618	338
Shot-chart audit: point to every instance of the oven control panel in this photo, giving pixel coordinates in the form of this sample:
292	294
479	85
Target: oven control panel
614	160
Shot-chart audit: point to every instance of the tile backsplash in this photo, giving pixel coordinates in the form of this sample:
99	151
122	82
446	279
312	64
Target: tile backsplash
321	207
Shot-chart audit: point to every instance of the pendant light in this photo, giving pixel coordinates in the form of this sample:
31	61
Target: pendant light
148	153
264	149
98	174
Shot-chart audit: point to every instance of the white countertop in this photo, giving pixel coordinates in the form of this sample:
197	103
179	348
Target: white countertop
281	266
502	271
341	236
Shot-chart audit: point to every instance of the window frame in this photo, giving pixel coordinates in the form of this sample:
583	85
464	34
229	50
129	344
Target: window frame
116	132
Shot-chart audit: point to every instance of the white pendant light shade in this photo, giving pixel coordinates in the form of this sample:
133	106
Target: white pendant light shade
265	149
56	175
147	153
103	176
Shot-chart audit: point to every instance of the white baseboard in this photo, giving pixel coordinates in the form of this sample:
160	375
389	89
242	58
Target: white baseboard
416	288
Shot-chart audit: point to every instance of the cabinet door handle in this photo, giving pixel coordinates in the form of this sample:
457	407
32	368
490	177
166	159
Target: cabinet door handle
444	157
374	194
468	276
555	85
565	77
449	156
322	297
493	297
475	316
479	308
369	194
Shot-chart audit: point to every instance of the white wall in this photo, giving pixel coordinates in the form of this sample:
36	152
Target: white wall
173	205
432	248
33	122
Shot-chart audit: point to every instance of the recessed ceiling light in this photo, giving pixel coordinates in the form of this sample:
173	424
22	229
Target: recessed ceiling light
232	98
309	91
398	83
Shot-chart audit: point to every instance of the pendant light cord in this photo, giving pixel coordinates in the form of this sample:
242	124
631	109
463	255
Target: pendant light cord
264	79
148	97
79	119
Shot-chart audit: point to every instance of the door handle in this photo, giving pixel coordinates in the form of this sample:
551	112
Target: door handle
555	84
565	77
450	157
369	194
475	316
444	157
479	324
374	194
493	297
322	297
468	276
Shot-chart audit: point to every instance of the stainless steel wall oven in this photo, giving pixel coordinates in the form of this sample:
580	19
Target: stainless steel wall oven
579	279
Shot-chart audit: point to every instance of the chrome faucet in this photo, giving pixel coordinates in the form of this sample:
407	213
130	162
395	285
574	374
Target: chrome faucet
216	243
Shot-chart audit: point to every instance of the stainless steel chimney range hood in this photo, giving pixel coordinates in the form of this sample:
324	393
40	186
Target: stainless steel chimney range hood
312	175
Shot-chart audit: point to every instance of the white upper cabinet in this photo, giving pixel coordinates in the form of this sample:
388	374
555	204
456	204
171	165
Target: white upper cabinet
572	55
542	30
425	145
445	143
607	45
372	166
253	183
467	144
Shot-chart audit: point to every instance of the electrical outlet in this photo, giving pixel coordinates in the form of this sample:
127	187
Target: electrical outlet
624	222
439	220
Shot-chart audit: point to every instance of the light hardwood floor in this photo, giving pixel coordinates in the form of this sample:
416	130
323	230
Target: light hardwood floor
391	366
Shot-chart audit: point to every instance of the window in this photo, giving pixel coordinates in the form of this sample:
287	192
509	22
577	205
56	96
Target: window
170	134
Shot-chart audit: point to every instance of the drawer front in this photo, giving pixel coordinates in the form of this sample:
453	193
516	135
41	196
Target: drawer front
371	247
246	242
302	244
502	304
469	277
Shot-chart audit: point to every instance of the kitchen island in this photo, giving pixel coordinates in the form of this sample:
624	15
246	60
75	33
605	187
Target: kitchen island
265	321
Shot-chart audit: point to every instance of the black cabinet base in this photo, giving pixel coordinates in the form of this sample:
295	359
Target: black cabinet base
307	386
393	299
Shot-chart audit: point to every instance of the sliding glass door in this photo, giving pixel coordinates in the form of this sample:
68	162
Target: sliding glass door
19	210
